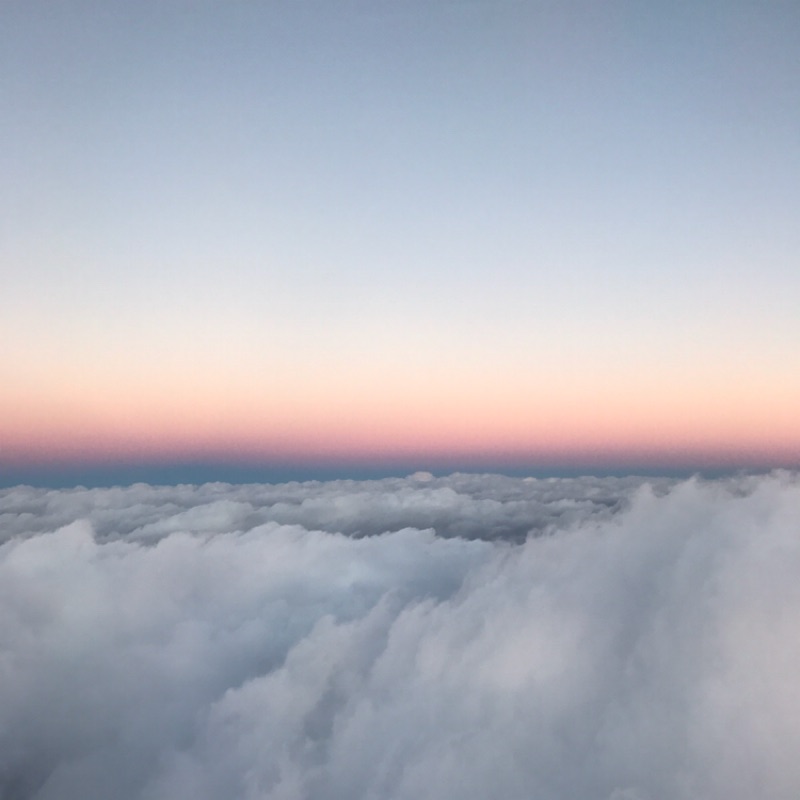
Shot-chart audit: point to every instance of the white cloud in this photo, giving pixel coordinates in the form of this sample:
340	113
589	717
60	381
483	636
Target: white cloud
470	506
183	642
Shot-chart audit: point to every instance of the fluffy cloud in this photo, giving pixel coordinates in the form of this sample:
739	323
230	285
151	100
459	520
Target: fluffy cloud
253	642
469	506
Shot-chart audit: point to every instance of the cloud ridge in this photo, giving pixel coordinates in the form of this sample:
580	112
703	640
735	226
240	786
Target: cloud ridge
175	642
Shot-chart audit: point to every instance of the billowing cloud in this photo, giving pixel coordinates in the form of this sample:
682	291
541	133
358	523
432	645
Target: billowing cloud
402	639
469	506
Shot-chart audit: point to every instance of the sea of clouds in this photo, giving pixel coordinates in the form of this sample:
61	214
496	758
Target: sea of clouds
471	637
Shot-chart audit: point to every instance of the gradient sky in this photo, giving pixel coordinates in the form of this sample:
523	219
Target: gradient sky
435	232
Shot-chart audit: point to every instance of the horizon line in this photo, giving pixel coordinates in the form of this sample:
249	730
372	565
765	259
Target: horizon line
109	474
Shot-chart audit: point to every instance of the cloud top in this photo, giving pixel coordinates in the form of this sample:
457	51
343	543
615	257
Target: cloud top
255	642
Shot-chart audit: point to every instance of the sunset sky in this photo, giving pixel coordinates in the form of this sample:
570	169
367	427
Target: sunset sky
434	235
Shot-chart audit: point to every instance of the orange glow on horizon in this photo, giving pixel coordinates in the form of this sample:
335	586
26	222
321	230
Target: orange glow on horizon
541	436
380	415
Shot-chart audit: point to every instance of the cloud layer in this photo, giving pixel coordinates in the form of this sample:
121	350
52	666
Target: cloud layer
463	637
469	506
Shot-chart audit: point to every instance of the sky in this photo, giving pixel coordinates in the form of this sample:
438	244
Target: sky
551	235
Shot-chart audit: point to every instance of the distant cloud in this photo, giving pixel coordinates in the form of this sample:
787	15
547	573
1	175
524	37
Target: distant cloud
470	506
211	642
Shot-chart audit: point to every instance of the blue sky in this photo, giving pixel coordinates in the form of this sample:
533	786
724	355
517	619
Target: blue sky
460	210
